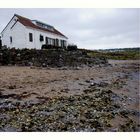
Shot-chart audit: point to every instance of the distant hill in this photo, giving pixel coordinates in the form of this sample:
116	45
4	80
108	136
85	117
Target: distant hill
116	54
121	49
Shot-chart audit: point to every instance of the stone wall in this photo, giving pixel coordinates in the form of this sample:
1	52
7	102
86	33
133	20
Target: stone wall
50	57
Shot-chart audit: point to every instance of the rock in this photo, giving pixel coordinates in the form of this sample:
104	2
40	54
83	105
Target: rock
30	64
63	68
77	68
12	87
50	57
46	113
103	84
64	90
114	130
88	112
124	113
93	129
87	81
44	65
4	116
92	84
7	96
95	111
9	129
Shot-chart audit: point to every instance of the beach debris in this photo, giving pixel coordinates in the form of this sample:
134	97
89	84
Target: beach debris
84	113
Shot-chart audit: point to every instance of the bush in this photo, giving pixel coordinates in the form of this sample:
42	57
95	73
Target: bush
72	47
44	46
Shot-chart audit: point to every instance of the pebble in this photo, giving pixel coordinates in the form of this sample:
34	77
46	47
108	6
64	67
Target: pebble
72	113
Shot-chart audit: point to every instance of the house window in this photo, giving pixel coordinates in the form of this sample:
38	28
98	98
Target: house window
11	39
41	38
62	45
47	40
30	37
53	42
50	41
57	42
65	43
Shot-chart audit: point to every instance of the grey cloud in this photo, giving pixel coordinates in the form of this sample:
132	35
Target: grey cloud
89	28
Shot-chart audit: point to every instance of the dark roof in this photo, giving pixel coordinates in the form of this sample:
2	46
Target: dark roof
27	22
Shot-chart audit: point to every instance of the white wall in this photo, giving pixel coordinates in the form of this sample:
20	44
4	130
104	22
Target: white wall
17	33
36	37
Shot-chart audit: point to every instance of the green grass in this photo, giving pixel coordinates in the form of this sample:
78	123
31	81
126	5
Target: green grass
117	54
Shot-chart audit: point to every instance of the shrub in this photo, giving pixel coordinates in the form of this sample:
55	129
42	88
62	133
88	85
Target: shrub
44	46
72	47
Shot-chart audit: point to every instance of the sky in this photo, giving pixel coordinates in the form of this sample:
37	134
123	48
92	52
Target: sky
87	28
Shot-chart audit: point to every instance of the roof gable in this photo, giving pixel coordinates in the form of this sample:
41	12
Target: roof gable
28	23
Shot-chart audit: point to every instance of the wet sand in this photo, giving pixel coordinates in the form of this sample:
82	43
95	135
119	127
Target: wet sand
35	84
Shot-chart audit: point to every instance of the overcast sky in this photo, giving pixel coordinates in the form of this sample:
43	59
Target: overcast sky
88	28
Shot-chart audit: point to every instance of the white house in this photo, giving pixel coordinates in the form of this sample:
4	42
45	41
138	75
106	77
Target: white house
22	32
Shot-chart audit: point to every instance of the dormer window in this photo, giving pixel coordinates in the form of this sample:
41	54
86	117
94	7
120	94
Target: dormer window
43	25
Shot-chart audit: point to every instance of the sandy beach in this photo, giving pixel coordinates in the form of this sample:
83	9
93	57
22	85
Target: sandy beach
32	84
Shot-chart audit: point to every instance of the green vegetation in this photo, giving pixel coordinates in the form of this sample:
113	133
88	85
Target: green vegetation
117	54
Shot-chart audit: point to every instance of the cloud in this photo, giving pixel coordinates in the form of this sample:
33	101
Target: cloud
88	28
